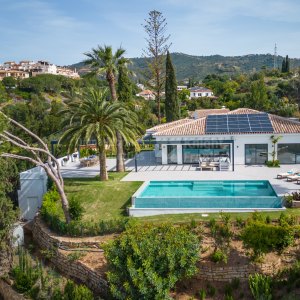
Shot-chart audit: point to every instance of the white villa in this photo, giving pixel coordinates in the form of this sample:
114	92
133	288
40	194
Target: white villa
219	139
196	92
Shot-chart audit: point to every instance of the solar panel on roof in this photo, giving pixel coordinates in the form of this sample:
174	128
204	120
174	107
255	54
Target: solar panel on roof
245	123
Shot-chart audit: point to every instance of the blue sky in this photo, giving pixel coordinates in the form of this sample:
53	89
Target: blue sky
62	30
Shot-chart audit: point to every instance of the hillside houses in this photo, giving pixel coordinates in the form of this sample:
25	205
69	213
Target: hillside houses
26	68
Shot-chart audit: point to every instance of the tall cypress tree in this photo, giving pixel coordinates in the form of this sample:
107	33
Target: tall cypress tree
171	102
283	66
124	90
287	64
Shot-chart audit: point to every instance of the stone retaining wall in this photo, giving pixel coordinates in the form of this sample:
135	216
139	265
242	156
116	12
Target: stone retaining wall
73	269
95	281
226	273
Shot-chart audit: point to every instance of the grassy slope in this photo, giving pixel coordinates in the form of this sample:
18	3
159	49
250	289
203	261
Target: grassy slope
108	200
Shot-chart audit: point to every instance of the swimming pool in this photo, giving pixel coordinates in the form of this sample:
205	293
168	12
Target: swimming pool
156	197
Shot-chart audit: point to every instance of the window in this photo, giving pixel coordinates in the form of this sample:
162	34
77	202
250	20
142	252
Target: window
288	153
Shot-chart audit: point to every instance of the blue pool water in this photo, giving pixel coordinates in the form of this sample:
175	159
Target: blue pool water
208	194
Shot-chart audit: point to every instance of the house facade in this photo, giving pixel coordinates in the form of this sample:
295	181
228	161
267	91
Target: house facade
239	137
196	92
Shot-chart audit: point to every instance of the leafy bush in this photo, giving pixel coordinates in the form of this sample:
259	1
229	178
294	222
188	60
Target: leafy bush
24	273
202	294
260	286
73	291
263	238
240	222
273	164
211	290
146	261
76	209
219	256
286	220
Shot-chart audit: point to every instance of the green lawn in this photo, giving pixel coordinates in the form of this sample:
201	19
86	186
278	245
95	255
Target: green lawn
108	200
102	200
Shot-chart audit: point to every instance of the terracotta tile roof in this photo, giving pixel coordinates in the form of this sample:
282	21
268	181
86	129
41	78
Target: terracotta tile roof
240	111
197	127
164	126
284	125
200	113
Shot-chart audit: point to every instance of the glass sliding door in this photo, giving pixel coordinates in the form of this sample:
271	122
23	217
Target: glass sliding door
256	154
172	154
288	153
192	153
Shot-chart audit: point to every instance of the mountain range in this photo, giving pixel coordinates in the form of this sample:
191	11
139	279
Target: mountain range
197	67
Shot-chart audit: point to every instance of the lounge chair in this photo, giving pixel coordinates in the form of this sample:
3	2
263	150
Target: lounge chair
286	174
293	177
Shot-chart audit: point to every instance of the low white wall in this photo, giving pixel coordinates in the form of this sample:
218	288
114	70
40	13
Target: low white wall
143	212
33	186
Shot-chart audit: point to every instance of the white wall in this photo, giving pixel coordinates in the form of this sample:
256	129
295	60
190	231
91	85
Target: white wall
33	187
239	143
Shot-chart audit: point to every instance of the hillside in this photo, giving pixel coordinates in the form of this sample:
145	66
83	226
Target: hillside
199	66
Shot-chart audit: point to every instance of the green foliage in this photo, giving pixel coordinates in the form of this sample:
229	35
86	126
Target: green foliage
102	120
273	164
51	215
124	90
44	83
146	261
171	98
25	274
202	294
76	209
263	238
219	256
8	183
9	82
260	286
76	255
286	220
211	290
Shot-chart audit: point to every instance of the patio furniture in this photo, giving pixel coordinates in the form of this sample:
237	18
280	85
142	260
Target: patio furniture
89	161
286	174
214	163
293	177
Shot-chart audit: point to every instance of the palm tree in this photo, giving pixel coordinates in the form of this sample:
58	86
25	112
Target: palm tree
95	117
102	60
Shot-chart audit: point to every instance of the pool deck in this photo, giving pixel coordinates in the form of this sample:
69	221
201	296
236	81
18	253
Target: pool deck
189	172
242	172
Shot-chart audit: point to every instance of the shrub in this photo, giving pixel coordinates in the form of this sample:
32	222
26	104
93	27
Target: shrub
76	209
239	222
273	164
260	286
286	220
263	238
219	256
73	291
202	294
146	261
211	290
